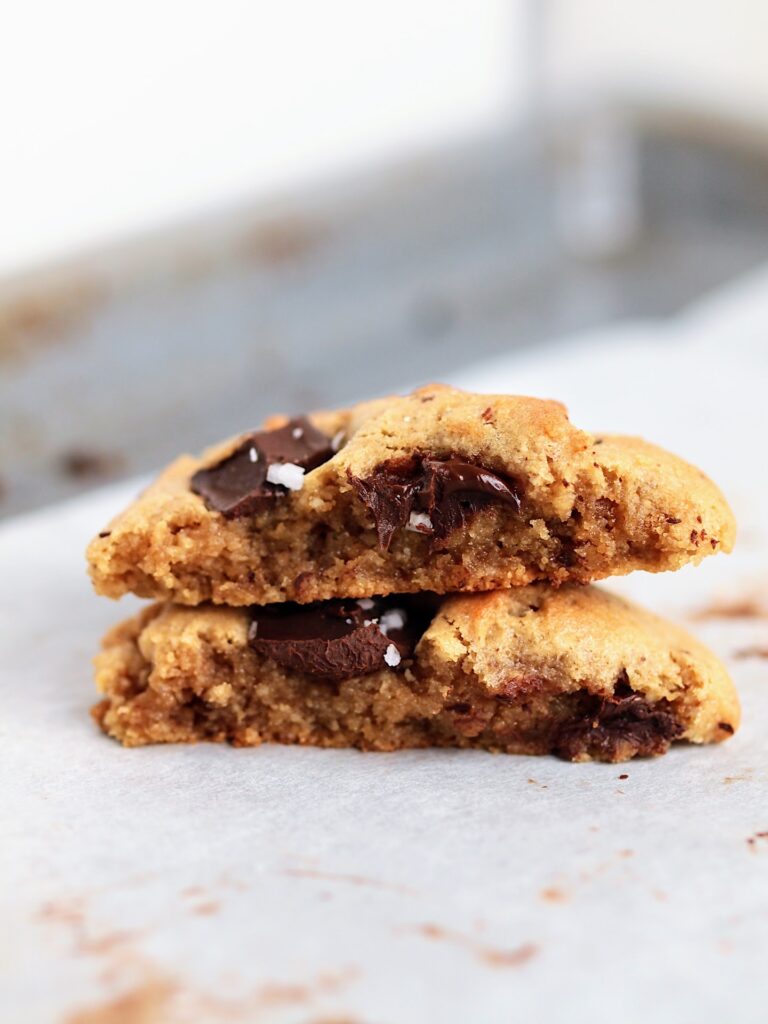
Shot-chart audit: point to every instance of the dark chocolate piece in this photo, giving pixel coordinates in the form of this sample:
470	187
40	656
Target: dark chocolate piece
441	494
605	725
238	485
336	640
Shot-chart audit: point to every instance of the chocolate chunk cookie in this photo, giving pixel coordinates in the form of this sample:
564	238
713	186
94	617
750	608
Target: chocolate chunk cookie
575	672
440	490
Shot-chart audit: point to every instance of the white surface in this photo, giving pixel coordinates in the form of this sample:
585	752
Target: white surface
709	55
117	117
291	885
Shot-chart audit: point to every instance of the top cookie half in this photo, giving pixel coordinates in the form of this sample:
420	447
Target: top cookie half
440	490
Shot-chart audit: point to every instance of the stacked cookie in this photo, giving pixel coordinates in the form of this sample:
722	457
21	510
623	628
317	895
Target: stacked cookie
411	572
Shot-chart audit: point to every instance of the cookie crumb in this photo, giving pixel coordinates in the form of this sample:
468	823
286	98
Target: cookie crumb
750	607
751	652
206	909
553	895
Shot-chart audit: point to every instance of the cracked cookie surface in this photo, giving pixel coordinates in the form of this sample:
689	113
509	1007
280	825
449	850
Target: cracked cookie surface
576	672
440	490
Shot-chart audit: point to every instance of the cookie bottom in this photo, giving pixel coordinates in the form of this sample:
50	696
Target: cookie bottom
173	675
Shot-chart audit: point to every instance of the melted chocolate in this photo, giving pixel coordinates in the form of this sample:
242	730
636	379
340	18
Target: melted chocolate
238	485
605	725
443	494
336	640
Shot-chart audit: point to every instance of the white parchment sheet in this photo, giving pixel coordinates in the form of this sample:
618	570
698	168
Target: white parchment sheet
287	885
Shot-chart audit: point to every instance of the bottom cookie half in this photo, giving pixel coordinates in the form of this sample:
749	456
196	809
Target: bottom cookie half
575	672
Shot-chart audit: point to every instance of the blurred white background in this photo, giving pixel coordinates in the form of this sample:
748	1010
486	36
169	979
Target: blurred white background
115	116
118	116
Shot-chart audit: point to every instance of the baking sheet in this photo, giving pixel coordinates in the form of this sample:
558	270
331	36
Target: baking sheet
397	274
288	885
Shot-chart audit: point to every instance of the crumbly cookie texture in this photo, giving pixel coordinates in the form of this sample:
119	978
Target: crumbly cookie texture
576	672
440	490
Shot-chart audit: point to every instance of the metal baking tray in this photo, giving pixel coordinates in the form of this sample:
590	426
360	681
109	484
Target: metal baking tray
114	361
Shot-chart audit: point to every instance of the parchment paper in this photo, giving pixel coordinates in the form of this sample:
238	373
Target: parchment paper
293	885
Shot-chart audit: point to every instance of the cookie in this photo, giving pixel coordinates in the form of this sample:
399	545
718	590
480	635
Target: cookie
440	490
576	672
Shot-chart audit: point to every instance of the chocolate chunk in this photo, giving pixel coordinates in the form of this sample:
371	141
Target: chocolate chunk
432	496
238	485
336	640
605	726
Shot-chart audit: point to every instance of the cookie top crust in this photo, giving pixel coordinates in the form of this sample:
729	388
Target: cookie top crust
439	490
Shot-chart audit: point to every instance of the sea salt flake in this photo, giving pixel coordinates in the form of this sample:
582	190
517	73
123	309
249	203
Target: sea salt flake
419	522
337	440
392	656
297	432
393	618
287	474
253	455
366	603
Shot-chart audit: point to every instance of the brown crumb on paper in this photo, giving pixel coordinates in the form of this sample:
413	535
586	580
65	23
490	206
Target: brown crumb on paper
751	607
206	909
490	955
553	895
758	838
137	990
146	1004
361	880
751	652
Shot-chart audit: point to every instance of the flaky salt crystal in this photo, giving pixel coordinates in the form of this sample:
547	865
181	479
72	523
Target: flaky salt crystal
393	618
419	522
392	656
287	474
